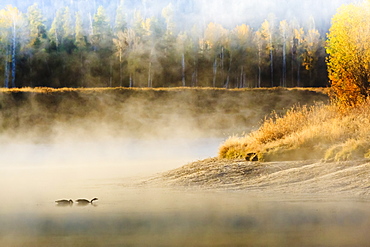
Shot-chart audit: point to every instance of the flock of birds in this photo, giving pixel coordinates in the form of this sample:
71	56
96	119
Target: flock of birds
65	202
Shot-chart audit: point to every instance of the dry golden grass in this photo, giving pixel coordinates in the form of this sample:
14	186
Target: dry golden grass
91	89
320	131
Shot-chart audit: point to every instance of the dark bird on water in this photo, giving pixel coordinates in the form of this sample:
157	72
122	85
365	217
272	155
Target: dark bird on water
85	201
64	202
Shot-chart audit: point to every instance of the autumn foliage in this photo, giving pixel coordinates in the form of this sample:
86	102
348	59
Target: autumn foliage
349	54
322	131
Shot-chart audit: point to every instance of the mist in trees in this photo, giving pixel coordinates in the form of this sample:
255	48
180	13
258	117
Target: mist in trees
149	43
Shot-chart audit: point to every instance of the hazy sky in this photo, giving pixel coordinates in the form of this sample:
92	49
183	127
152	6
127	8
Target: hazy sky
227	12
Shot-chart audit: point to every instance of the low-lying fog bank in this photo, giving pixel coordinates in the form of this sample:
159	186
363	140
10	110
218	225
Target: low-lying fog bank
53	115
52	141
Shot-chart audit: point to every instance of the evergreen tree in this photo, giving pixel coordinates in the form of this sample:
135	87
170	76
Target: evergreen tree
67	24
56	30
36	26
168	14
80	40
120	23
102	34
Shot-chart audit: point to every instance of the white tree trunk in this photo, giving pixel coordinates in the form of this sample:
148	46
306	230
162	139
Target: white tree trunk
183	70
7	67
259	68
150	74
214	72
272	67
284	64
13	56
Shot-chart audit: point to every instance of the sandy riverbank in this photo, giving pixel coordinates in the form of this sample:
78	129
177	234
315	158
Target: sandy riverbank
350	178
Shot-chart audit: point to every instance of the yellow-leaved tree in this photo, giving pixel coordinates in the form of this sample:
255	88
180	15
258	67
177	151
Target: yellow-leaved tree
348	46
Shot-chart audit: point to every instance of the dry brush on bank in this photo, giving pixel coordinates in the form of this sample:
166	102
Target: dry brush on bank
317	132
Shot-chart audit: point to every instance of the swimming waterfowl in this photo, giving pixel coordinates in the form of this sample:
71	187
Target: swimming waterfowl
64	202
85	201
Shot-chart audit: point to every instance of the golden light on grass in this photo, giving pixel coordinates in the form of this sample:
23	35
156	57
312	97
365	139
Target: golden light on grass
319	131
95	89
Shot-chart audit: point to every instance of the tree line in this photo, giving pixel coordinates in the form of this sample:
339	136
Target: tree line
78	50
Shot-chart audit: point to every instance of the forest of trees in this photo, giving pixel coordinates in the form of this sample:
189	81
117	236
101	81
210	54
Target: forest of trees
78	43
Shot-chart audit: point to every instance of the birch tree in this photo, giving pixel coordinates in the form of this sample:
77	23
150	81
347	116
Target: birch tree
285	34
128	46
241	40
260	41
215	36
11	18
267	31
297	51
194	50
182	44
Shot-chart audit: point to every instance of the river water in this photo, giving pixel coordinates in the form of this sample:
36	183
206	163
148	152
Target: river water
33	176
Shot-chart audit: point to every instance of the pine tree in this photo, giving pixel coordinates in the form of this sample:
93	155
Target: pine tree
67	24
120	23
56	30
80	40
102	37
168	14
36	25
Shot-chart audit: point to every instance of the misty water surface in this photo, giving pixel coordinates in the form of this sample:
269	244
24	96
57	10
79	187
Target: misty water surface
47	171
33	176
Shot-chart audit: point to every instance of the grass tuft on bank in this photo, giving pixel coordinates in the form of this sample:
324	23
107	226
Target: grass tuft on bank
322	131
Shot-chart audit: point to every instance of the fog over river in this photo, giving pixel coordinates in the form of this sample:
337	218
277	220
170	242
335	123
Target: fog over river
131	213
80	148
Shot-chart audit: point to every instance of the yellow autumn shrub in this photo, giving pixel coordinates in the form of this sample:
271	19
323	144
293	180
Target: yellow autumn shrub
348	46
